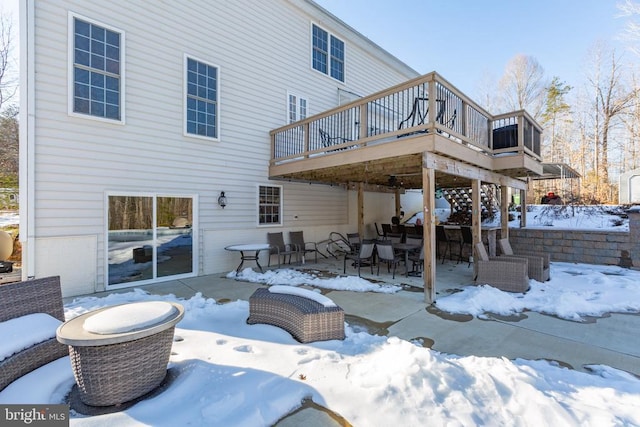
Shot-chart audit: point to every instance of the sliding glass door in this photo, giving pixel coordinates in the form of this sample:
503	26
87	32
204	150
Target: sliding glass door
149	237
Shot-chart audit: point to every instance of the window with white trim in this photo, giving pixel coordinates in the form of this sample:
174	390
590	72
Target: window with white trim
270	205
296	107
327	54
97	69
202	99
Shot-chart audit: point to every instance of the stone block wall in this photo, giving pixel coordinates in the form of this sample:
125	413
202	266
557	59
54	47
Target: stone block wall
583	246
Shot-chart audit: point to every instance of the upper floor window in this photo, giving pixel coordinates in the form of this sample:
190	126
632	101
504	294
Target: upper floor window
202	99
269	205
97	69
297	108
327	53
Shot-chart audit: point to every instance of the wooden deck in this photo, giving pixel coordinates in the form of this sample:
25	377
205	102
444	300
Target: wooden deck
423	134
399	131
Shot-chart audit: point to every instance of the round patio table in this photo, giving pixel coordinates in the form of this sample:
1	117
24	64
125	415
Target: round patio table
121	352
251	247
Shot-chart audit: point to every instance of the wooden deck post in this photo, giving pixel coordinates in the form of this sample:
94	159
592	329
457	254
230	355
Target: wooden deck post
523	208
475	219
504	212
361	210
428	206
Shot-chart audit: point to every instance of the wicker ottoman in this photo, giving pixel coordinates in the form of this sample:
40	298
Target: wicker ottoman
113	366
300	314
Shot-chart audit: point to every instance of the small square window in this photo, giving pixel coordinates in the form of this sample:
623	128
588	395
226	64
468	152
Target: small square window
269	205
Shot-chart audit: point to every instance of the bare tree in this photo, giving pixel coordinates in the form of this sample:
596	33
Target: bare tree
9	142
523	85
611	99
8	77
631	10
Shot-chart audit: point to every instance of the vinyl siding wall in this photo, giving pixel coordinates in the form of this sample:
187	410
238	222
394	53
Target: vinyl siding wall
262	49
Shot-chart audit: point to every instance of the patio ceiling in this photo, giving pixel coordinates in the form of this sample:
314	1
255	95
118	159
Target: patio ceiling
402	171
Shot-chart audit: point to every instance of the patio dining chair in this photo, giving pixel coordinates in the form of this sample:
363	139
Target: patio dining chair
417	261
386	254
327	140
354	241
467	240
278	247
363	256
297	240
443	239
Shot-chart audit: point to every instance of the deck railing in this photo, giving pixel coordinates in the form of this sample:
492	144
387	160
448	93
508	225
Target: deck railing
427	104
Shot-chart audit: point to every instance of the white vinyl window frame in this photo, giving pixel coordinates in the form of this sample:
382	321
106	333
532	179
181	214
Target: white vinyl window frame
72	16
297	107
185	98
334	44
265	207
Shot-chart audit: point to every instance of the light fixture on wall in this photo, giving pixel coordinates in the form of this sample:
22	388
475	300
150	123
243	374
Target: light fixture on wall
222	200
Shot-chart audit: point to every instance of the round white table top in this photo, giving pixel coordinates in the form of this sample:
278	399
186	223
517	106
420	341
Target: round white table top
248	247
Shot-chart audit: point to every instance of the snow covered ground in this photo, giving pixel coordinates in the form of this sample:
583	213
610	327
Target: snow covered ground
228	373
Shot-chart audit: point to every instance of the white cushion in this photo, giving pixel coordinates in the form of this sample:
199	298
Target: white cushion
128	317
301	292
26	331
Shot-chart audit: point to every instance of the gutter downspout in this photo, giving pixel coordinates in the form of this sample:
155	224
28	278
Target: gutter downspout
27	137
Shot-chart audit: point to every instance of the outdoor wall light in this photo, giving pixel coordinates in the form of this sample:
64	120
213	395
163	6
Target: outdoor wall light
222	200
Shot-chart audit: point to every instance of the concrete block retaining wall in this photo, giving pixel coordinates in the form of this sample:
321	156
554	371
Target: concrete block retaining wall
583	246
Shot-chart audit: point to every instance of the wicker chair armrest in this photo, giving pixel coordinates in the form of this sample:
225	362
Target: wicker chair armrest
509	259
545	256
531	259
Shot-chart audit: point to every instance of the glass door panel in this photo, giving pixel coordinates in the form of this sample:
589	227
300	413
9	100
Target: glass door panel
149	237
174	235
130	257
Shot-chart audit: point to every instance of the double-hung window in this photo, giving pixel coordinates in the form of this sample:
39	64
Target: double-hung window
202	112
327	53
297	108
270	205
97	88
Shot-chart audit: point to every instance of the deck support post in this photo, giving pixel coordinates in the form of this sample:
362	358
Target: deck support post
429	231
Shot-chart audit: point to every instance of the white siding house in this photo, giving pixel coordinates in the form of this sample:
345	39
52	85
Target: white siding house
136	115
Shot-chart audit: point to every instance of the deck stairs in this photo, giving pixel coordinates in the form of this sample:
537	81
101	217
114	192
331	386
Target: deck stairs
460	199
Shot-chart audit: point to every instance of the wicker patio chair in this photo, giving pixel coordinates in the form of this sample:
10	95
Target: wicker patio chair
507	274
538	261
29	297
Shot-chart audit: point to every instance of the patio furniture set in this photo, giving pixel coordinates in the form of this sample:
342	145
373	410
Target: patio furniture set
120	353
117	353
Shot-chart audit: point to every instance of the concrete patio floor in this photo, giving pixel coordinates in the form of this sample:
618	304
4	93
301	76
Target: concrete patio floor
610	340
